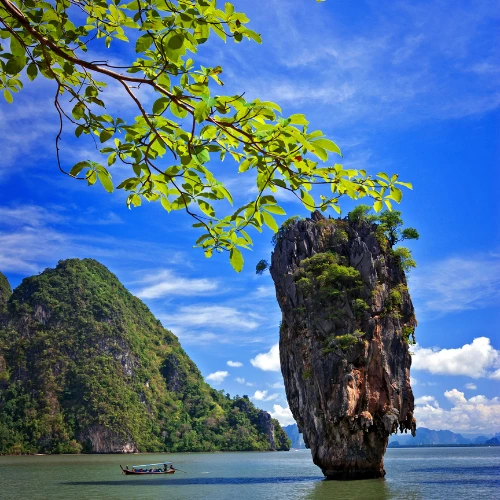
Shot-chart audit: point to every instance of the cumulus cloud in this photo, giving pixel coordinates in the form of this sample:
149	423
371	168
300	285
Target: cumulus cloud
476	414
425	400
456	284
165	282
471	386
268	361
234	364
263	396
259	395
282	415
217	377
475	360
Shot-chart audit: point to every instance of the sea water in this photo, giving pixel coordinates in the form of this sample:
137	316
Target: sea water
412	473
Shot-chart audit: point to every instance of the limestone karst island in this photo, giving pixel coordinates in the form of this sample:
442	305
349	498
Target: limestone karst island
249	250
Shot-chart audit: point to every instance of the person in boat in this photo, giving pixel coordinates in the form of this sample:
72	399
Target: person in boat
171	467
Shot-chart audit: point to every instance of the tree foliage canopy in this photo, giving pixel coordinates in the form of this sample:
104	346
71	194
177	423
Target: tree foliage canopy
171	143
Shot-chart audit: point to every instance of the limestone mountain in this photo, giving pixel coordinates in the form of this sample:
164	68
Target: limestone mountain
429	437
347	320
85	366
295	436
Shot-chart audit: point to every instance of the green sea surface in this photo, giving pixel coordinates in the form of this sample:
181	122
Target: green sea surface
412	473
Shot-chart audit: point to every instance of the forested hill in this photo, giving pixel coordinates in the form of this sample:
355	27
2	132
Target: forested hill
85	366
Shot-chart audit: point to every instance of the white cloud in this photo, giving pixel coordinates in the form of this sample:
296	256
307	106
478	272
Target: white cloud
268	361
31	239
456	284
471	386
109	218
455	396
263	396
217	377
263	292
473	360
277	385
391	70
477	414
425	400
283	415
259	395
28	215
234	364
213	316
495	375
165	282
240	380
272	397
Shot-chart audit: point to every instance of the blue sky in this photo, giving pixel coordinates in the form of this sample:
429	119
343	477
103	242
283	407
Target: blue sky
407	87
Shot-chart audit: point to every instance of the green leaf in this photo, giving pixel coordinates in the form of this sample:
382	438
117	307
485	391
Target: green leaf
408	185
377	206
206	208
298	119
160	105
236	259
209	132
319	151
270	222
32	71
15	65
178	111
203	156
78	167
201	111
91	178
307	200
275	209
396	194
105	181
105	135
8	96
165	204
173	46
328	145
111	159
16	48
143	43
78	111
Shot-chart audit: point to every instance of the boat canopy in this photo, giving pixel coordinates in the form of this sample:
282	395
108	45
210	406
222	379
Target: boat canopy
150	465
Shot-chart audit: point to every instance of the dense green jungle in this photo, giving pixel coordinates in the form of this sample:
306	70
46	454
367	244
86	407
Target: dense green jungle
86	367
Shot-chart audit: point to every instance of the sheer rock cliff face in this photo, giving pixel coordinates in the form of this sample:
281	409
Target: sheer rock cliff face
347	316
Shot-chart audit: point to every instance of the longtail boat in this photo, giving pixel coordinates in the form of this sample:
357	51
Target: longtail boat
161	468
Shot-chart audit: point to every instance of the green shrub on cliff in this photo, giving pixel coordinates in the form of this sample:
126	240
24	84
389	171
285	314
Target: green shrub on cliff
83	356
324	275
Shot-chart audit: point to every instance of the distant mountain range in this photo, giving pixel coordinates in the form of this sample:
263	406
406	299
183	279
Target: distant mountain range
295	436
424	437
429	437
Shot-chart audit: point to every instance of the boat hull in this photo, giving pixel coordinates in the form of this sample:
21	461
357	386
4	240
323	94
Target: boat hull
129	472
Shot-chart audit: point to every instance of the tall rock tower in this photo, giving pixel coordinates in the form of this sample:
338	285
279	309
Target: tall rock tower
347	322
